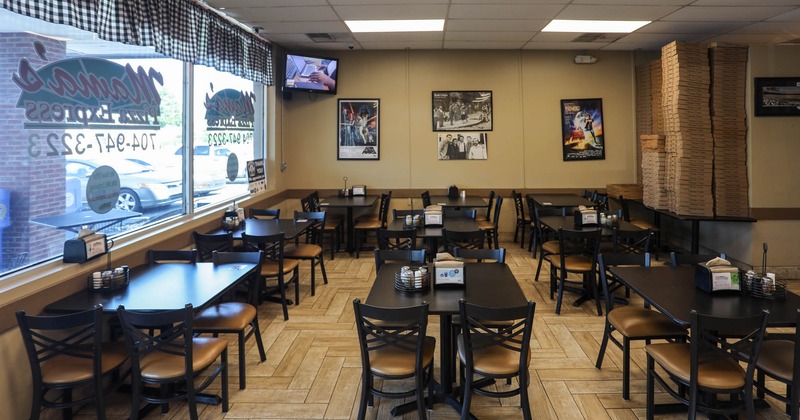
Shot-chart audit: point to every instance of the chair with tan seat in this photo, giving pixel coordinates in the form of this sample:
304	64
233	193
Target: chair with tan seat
490	227
644	224
542	238
188	256
489	352
676	259
709	365
462	239
397	239
66	352
394	347
523	220
780	361
577	255
311	250
632	323
275	268
171	359
264	214
426	199
367	224
405	256
334	223
235	317
207	243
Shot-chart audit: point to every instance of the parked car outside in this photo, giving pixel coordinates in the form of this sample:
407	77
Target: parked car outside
215	158
205	181
141	186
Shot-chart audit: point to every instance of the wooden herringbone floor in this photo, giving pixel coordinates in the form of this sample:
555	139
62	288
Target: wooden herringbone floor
313	364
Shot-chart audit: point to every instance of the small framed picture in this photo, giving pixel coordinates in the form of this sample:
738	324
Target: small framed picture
462	110
359	190
359	129
777	96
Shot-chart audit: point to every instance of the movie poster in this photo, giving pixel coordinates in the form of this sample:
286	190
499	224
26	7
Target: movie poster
359	132
582	129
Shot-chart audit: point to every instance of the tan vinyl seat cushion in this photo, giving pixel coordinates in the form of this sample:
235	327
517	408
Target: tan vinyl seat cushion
65	369
485	225
643	224
225	316
162	366
393	361
270	268
495	360
306	251
551	247
724	373
777	358
368	224
633	322
573	263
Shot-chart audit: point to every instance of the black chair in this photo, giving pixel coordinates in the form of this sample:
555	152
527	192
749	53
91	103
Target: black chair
452	213
171	359
462	239
577	255
626	216
275	267
400	214
676	259
543	238
405	256
370	224
489	205
523	220
491	227
264	213
235	317
397	239
394	347
334	223
66	352
311	250
426	199
481	255
206	244
780	361
709	365
631	241
188	256
632	323
495	353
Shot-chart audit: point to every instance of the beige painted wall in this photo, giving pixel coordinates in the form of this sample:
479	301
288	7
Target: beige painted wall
524	147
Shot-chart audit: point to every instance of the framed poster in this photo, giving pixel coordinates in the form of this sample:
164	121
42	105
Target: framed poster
359	129
462	146
777	96
462	110
582	134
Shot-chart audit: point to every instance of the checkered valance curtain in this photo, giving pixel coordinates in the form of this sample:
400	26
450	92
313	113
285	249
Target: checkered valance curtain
181	29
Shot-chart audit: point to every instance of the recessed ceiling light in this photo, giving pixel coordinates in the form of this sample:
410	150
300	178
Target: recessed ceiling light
601	26
418	25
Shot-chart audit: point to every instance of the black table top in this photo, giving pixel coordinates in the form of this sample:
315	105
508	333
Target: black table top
561	200
74	221
685	217
264	227
672	291
487	284
460	224
469	201
568	222
161	287
352	201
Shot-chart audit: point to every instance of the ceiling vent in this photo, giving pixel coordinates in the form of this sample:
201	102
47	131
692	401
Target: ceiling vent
323	37
598	37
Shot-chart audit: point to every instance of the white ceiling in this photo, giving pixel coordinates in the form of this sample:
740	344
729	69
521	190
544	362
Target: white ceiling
517	24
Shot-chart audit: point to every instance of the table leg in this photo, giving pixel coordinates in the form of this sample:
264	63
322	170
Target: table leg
695	236
350	231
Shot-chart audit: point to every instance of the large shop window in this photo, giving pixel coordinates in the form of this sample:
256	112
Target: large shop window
93	137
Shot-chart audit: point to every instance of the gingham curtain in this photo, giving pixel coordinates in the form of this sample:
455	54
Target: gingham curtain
181	29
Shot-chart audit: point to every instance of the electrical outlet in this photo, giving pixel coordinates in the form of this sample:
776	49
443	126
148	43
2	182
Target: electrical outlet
283	166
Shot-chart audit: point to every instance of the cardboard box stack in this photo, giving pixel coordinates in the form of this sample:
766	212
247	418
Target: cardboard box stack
689	142
729	127
657	97
654	171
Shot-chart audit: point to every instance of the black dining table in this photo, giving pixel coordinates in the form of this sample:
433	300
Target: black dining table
469	201
568	222
561	200
487	284
349	203
433	233
162	287
673	292
291	228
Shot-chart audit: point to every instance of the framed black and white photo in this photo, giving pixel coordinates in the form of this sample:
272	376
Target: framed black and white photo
462	110
462	146
582	134
777	96
359	129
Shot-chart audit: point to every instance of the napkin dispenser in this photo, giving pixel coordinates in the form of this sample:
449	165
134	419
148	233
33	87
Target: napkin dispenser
452	192
717	275
86	246
584	216
448	271
433	215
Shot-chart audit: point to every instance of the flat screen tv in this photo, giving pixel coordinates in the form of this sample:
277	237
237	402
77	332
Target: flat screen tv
306	73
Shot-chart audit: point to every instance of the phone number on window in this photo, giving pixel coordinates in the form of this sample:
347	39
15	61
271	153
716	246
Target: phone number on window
64	144
222	138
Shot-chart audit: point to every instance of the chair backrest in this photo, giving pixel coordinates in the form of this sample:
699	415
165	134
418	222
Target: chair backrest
579	242
314	233
426	199
252	284
406	256
399	214
737	338
497	255
636	241
601	201
383	207
489	205
400	329
452	213
305	204
608	282
78	335
626	213
206	244
519	207
676	259
498	205
272	247
313	199
587	194
463	239
188	256
515	337
264	213
397	239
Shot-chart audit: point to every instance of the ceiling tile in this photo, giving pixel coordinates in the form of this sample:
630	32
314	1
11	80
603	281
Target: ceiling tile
491	25
632	46
264	3
512	11
753	39
392	12
472	45
710	14
394	36
626	3
378	2
586	46
616	12
662	39
745	3
302	27
488	36
505	2
283	14
788	28
790	16
416	45
690	27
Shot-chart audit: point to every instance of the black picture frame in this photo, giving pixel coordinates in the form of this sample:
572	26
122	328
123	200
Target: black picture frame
461	110
358	126
776	96
582	129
